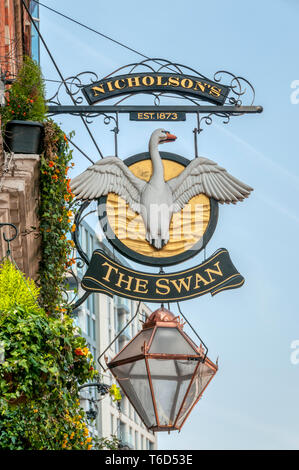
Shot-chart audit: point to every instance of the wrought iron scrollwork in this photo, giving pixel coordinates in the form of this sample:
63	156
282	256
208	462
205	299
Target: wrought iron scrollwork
75	83
239	87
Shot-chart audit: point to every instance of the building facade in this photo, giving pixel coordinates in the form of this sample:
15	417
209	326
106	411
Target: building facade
101	320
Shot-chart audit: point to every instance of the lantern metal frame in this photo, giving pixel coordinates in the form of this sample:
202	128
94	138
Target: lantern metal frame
163	318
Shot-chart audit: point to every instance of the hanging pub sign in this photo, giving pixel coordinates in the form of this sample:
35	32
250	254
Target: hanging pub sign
156	207
150	82
159	209
109	277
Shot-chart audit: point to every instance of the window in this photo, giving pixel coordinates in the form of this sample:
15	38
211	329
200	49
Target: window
93	329
151	445
34	10
136	440
122	431
142	443
111	424
88	324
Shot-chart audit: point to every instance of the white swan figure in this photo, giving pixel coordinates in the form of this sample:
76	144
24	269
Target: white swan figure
157	200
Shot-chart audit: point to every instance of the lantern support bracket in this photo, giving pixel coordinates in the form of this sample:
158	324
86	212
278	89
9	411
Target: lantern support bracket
117	336
205	346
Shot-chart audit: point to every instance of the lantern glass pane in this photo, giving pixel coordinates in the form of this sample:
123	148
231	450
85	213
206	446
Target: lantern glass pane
170	341
202	377
134	347
133	378
170	379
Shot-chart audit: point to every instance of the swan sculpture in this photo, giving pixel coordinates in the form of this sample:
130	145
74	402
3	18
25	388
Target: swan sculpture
157	200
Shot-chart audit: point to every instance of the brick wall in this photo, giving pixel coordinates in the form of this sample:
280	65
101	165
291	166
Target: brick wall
15	31
18	205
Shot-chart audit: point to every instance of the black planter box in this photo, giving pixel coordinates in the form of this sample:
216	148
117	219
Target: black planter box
23	137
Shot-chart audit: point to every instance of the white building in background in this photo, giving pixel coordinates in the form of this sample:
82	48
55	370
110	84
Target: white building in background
101	319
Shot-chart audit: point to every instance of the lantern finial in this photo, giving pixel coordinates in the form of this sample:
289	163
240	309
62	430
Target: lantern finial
161	315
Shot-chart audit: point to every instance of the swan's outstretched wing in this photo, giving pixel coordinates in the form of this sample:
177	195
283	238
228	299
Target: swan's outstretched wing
109	175
205	176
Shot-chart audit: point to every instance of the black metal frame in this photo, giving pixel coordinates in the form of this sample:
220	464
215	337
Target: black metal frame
239	91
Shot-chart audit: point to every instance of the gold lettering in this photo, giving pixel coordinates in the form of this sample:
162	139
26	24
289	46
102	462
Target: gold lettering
174	81
165	286
215	91
110	87
99	88
117	84
159	81
110	268
141	283
148	80
199	85
184	83
133	81
214	271
121	279
198	279
140	115
182	283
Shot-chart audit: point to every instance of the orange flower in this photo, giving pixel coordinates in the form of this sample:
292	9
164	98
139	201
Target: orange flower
57	171
73	228
51	163
64	136
55	177
79	352
89	447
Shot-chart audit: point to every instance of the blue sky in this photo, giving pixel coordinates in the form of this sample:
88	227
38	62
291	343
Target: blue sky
252	403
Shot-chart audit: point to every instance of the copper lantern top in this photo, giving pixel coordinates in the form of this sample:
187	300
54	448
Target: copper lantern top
162	317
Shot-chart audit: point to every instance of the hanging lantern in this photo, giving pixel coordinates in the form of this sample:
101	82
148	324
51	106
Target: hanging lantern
162	372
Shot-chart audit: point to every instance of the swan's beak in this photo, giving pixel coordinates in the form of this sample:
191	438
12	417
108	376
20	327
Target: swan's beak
170	137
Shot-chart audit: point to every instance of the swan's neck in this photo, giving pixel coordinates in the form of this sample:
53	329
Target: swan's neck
158	169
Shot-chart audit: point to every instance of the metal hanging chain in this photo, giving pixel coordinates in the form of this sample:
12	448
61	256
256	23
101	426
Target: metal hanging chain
116	337
181	313
61	76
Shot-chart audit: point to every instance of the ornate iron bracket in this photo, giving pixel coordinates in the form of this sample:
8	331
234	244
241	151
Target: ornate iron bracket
241	90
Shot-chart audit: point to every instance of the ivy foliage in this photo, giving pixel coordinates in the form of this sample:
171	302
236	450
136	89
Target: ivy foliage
44	363
56	214
26	97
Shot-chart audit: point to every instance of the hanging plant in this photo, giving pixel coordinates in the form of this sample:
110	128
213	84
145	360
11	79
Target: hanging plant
26	97
25	111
